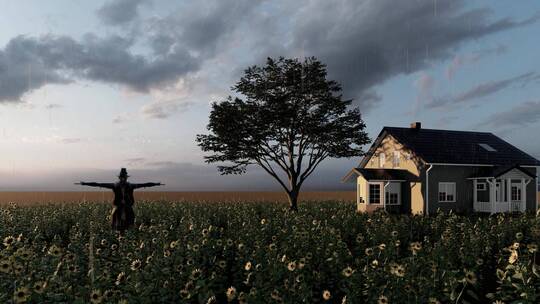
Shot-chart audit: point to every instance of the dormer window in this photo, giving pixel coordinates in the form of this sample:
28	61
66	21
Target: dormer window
396	160
487	147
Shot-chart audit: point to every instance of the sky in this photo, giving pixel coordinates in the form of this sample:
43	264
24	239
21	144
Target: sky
88	87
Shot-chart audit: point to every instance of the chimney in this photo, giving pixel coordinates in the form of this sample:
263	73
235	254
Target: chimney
416	125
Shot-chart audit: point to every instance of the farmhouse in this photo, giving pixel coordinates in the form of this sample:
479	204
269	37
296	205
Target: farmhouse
415	170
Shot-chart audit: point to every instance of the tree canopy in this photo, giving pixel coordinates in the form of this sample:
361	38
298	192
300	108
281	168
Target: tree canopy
286	118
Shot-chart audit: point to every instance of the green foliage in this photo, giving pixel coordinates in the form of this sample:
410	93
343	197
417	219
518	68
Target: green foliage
287	119
182	252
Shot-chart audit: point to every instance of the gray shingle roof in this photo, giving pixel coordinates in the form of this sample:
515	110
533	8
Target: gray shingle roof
460	147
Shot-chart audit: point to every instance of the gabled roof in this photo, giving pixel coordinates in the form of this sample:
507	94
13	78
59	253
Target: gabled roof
376	174
457	147
497	171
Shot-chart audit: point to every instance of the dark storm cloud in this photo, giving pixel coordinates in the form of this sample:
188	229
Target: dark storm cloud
27	63
484	89
365	43
118	12
522	115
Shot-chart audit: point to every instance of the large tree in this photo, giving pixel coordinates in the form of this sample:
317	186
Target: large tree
287	119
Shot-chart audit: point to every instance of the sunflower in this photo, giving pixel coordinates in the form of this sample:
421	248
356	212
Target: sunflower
21	295
205	232
5	266
174	244
185	294
9	240
222	264
136	264
382	247
519	236
326	295
532	248
247	267
515	246
108	294
369	251
38	287
166	253
231	293
394	233
513	257
95	296
196	274
275	295
291	266
103	242
114	247
55	251
399	271
347	272
382	300
121	278
415	247
470	277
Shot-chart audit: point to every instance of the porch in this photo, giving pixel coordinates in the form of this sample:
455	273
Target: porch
501	190
387	189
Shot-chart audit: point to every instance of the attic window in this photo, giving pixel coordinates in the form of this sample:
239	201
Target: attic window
487	147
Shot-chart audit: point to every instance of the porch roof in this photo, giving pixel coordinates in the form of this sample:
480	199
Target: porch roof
497	171
383	175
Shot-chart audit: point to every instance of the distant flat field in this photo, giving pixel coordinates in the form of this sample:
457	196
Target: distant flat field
44	197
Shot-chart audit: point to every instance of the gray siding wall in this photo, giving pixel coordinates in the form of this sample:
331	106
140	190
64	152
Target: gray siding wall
531	192
464	188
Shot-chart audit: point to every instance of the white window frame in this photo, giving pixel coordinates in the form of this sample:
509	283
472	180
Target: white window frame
381	189
382	159
483	186
520	192
444	186
388	194
396	161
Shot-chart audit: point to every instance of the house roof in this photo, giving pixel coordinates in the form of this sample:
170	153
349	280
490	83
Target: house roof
459	147
497	171
374	174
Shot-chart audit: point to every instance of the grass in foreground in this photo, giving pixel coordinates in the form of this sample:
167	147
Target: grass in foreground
261	253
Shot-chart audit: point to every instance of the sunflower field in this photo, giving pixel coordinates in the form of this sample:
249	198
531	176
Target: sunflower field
196	252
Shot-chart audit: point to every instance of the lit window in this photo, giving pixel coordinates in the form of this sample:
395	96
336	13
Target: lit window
396	159
374	193
447	192
487	147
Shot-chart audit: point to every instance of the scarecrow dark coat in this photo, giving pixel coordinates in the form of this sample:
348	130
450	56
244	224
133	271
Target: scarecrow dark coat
122	216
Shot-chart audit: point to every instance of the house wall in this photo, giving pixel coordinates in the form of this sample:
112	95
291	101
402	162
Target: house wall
531	192
464	189
412	196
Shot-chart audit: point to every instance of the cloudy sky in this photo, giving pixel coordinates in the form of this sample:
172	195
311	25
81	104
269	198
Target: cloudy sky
87	87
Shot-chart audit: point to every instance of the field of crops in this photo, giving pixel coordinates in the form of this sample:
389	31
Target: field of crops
260	253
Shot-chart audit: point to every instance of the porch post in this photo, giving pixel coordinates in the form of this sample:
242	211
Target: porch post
475	193
492	185
523	201
508	194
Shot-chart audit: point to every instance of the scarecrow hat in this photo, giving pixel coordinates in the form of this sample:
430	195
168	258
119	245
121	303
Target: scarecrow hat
123	173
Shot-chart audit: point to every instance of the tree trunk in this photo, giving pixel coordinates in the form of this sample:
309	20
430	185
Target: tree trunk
293	200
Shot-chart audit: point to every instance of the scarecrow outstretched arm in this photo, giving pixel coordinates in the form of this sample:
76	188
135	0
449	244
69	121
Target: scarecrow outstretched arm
143	185
93	184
